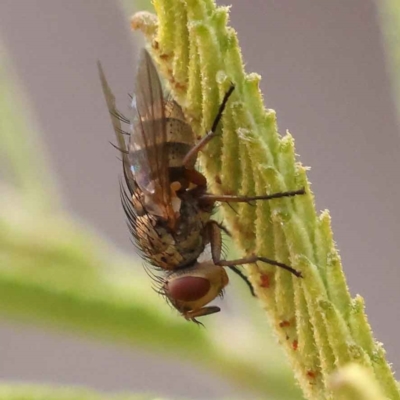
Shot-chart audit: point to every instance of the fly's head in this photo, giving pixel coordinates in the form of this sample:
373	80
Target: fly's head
190	289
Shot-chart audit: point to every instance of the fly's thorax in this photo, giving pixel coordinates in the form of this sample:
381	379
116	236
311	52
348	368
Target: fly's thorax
171	249
189	234
192	288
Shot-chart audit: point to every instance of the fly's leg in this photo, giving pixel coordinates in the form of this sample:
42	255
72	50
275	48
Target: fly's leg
192	154
253	259
246	199
213	232
237	271
214	236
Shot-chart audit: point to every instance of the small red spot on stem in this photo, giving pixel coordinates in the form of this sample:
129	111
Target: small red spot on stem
265	283
180	86
295	345
311	374
284	324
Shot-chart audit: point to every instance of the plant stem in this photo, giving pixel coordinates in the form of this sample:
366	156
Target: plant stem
320	326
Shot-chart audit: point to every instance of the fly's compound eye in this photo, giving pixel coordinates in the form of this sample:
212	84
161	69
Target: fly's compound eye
187	288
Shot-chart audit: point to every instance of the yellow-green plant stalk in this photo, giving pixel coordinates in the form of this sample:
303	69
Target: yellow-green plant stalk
354	382
320	326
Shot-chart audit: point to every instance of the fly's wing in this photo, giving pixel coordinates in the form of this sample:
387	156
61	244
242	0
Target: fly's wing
148	151
116	119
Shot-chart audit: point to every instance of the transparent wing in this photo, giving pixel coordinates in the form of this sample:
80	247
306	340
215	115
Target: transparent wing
116	119
148	151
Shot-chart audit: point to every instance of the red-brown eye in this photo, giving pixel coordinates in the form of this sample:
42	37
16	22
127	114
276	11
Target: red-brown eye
188	288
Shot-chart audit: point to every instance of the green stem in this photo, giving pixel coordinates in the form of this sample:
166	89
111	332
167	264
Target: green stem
314	318
355	383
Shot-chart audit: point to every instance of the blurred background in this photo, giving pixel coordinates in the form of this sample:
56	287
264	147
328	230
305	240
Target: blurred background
323	69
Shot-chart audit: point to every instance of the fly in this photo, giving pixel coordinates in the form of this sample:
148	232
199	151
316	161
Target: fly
165	197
